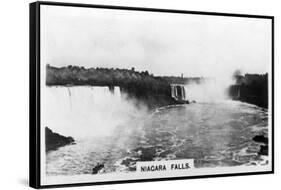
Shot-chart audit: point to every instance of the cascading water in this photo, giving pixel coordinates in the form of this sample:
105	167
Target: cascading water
178	92
211	90
85	111
108	128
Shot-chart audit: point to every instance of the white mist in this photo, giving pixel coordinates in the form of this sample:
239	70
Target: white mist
209	90
84	111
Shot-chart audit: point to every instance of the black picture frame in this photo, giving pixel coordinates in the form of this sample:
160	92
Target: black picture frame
34	98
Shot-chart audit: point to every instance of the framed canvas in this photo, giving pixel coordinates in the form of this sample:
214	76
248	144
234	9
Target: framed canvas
126	94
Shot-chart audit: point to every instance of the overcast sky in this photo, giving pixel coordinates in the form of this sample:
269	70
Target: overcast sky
162	43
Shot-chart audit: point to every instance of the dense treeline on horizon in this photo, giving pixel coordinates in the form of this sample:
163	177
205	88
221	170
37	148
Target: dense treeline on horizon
138	83
130	80
152	90
251	88
75	75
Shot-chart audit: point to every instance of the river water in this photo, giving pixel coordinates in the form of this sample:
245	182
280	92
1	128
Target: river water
214	134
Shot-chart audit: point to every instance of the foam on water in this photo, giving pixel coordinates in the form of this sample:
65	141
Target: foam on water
212	133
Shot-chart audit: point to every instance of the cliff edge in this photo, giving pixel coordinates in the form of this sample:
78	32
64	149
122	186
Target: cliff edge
55	140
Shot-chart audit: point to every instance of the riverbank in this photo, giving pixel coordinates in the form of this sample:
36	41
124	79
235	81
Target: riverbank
54	140
264	144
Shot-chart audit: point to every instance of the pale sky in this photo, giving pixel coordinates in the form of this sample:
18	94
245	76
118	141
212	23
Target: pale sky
162	43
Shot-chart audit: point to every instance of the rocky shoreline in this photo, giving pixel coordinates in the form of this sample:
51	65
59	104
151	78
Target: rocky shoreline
264	144
54	140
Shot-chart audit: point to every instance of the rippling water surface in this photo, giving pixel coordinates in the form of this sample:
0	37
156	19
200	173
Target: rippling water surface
213	134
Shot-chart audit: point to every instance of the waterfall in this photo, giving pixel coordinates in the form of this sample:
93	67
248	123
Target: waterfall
85	111
211	90
207	91
178	92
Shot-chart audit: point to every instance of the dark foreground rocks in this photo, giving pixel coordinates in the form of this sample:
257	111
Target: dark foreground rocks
97	168
261	139
263	148
55	140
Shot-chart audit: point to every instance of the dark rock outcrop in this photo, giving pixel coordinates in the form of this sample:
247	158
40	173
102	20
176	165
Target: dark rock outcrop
55	140
263	148
261	139
97	168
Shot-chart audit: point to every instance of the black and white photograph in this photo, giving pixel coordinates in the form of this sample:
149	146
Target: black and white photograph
139	94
